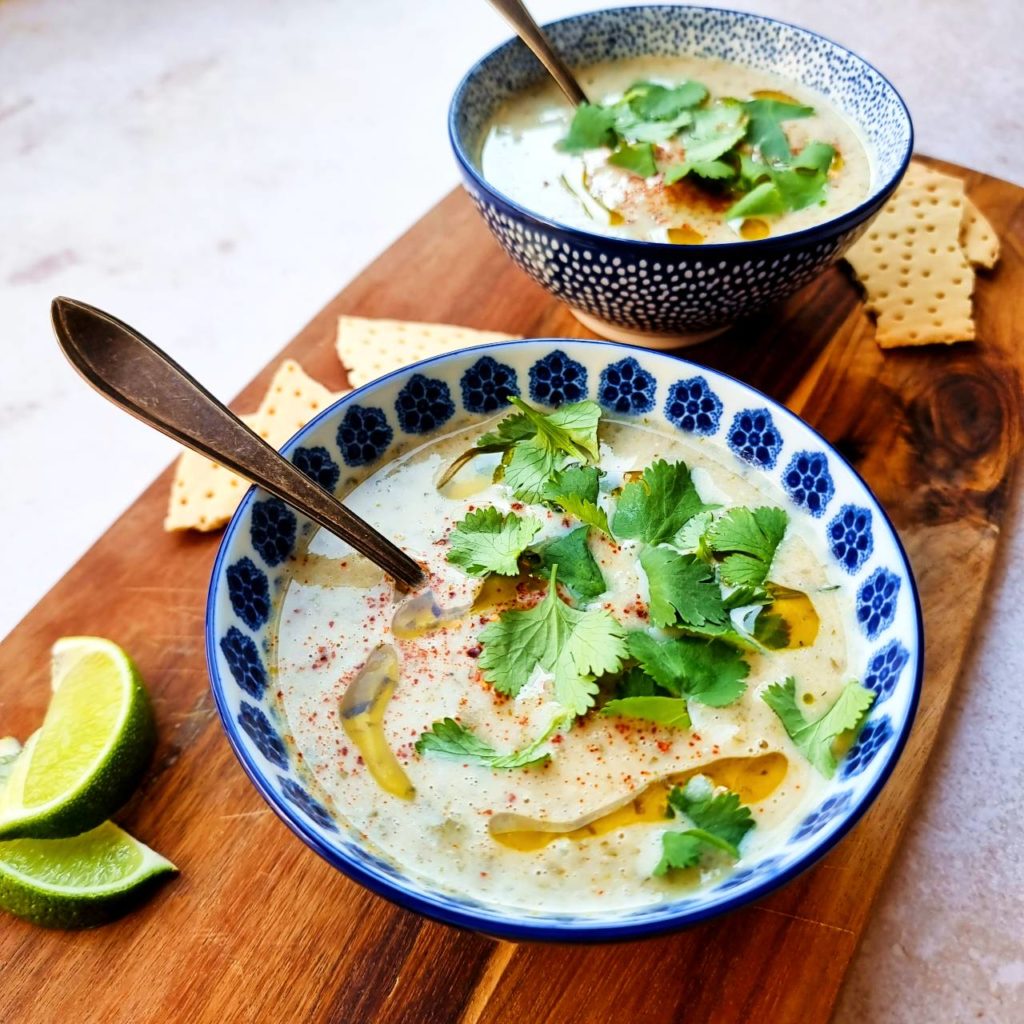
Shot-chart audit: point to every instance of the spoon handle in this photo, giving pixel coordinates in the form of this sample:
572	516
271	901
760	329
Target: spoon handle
526	28
136	375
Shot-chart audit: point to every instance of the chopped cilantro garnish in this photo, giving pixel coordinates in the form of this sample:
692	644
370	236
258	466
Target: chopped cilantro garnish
670	711
681	586
710	672
447	738
575	481
715	131
577	567
487	541
651	102
764	129
748	538
816	739
573	645
637	157
722	815
721	823
592	127
655	507
542	443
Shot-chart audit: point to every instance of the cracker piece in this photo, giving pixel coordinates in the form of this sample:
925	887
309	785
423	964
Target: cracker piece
369	348
978	238
915	275
204	495
291	401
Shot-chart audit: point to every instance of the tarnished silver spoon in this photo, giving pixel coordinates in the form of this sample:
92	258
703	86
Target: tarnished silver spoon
134	374
529	31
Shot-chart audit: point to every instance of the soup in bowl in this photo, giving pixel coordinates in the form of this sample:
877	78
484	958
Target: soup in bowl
668	653
723	160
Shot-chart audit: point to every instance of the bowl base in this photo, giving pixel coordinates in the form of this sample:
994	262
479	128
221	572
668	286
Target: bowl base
647	339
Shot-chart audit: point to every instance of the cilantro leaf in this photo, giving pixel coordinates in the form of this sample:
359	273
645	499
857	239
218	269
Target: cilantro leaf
652	102
654	131
578	569
571	429
487	541
709	672
815	739
655	507
637	158
587	512
765	200
681	586
815	156
529	468
447	738
579	481
637	683
764	130
671	711
749	539
573	645
592	127
679	850
722	816
510	430
715	131
690	536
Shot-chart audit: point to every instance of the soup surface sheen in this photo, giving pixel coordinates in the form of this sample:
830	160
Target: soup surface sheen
520	157
337	610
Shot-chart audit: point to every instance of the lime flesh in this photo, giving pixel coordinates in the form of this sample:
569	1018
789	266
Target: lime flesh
89	755
78	882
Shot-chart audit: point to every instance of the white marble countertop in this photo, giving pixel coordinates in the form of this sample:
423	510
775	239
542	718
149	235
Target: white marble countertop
199	169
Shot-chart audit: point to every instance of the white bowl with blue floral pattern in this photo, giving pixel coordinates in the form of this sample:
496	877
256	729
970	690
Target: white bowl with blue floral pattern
368	427
655	293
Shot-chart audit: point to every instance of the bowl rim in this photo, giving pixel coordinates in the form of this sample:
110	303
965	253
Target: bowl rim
508	926
816	232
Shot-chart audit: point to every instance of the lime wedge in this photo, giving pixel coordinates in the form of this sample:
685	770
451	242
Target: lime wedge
93	746
78	882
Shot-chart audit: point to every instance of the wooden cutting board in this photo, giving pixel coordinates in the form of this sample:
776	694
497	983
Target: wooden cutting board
257	927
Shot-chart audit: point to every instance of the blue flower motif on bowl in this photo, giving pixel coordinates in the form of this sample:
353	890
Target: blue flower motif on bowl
834	806
487	385
626	387
885	668
264	736
692	406
363	435
754	437
313	808
318	465
876	602
424	404
355	434
244	661
273	530
249	592
808	481
873	737
557	379
849	537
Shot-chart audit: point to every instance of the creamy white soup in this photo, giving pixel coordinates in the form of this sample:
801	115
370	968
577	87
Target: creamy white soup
610	744
678	149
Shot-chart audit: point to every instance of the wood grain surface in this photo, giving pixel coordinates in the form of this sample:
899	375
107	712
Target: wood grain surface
258	928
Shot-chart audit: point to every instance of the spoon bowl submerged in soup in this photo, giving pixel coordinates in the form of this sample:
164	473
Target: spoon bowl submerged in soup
630	673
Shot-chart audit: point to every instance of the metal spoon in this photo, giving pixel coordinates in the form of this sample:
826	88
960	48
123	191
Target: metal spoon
527	29
133	373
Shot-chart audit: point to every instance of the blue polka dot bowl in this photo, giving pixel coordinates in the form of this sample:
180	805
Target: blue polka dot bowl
659	294
364	430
